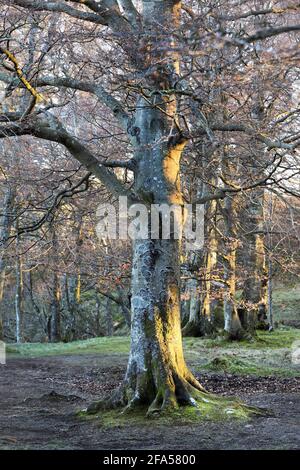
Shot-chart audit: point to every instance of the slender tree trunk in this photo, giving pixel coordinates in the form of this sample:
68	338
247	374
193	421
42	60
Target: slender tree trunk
200	321
270	264
55	330
19	301
210	267
108	318
254	296
255	289
193	284
73	284
99	331
55	322
124	302
6	220
270	296
72	295
192	288
232	321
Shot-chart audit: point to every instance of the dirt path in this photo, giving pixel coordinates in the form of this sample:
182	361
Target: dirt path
38	398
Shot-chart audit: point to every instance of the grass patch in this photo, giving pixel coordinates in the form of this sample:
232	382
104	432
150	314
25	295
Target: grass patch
286	302
268	355
232	365
280	338
104	345
283	337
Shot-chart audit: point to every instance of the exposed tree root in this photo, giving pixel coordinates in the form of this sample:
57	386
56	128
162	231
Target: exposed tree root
177	393
192	328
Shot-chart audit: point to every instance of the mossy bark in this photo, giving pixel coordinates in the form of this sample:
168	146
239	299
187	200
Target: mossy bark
207	318
192	327
253	308
157	376
6	221
232	324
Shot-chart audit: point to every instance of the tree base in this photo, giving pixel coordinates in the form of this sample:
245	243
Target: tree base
174	391
204	407
192	328
188	400
240	335
201	327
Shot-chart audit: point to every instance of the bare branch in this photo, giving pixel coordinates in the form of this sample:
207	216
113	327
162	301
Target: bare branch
129	164
267	11
130	11
18	70
60	7
237	127
89	87
270	32
50	128
105	97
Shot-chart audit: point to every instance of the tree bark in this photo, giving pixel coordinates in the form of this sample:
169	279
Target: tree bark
55	330
157	375
255	287
108	318
210	267
6	220
232	323
193	327
19	301
55	322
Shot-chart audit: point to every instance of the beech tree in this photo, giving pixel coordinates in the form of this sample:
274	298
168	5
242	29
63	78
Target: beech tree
156	44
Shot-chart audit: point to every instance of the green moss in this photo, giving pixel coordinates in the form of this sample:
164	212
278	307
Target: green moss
208	408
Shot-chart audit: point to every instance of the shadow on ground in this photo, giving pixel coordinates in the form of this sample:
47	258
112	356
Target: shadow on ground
38	398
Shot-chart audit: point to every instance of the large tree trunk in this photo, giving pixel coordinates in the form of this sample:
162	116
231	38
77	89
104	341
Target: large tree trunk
157	375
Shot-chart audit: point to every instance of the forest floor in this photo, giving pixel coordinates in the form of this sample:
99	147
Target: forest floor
42	386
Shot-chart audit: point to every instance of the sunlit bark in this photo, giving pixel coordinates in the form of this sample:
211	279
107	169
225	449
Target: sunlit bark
157	375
